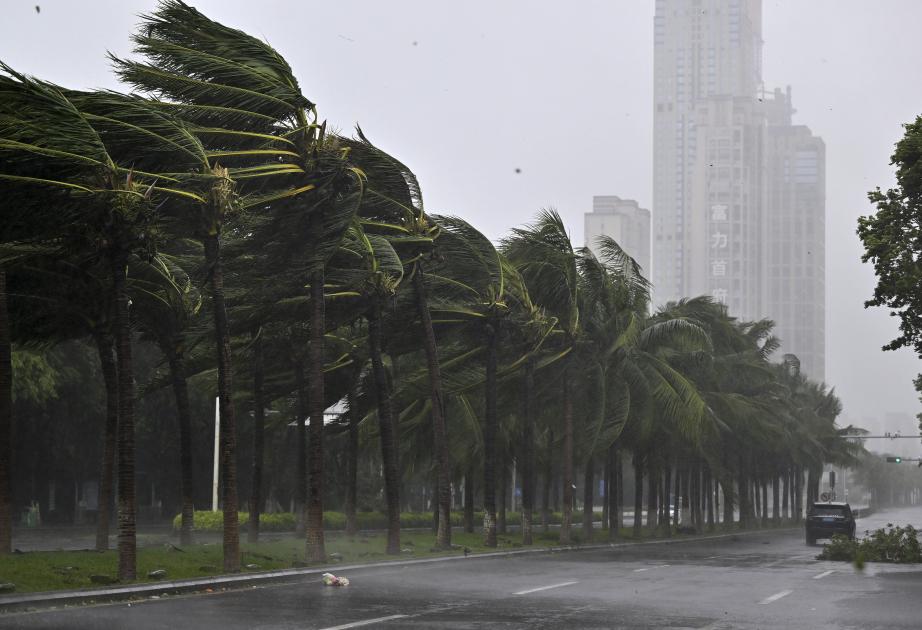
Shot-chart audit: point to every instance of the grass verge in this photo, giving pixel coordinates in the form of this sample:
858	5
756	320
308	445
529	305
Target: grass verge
37	571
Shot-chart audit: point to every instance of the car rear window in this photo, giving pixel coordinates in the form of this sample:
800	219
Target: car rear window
828	510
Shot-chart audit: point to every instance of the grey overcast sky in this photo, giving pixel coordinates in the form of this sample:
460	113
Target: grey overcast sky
467	92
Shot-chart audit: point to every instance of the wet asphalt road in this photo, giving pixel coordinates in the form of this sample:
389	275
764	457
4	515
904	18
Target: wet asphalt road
753	581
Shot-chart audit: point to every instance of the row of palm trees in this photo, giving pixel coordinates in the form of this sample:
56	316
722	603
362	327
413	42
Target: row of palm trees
213	203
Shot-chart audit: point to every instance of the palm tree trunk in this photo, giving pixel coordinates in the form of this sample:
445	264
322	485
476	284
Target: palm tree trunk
696	496
588	495
546	498
104	346
652	505
567	460
727	486
183	415
677	499
785	503
6	423
744	493
439	428
127	502
716	502
502	498
619	493
259	435
301	452
489	440
709	498
612	493
316	550
685	514
386	431
228	437
667	486
776	500
638	495
469	498
606	484
435	504
352	467
764	503
528	454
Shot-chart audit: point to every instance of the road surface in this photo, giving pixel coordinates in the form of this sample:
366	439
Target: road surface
754	581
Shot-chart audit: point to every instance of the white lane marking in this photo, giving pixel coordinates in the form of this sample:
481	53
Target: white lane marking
659	566
544	588
820	576
775	597
367	622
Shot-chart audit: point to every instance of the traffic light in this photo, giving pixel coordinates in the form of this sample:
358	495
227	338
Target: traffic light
895	460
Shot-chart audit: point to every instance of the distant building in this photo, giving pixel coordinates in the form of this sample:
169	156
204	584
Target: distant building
707	69
795	229
623	220
738	190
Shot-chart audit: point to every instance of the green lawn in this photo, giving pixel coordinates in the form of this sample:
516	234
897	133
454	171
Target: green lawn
54	570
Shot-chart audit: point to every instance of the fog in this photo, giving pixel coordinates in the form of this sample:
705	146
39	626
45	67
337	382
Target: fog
502	110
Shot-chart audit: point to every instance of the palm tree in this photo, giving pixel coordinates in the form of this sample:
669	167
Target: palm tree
259	430
71	145
475	272
6	423
393	205
372	269
243	100
544	256
166	301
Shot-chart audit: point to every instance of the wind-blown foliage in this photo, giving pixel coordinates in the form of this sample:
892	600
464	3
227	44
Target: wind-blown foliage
213	214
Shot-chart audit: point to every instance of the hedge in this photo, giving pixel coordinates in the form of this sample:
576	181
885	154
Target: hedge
207	521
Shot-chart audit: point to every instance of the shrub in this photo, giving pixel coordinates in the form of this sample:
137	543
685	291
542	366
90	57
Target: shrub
207	521
889	544
840	548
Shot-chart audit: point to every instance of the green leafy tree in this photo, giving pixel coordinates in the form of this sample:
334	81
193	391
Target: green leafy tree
892	239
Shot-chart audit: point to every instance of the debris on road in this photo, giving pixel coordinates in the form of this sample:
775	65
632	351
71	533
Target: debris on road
331	580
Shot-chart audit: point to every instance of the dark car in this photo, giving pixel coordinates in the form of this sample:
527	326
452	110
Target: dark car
826	519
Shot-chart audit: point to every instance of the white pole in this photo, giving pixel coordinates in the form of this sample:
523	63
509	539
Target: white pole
217	452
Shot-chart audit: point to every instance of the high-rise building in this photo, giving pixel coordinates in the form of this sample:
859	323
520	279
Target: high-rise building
725	211
795	235
707	70
623	220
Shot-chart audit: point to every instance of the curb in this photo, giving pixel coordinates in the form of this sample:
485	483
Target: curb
53	599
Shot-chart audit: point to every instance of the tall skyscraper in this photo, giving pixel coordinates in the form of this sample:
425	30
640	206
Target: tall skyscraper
795	224
623	220
723	209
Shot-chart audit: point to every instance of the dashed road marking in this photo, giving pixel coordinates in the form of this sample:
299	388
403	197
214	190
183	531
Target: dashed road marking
544	588
659	566
820	576
366	622
775	597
